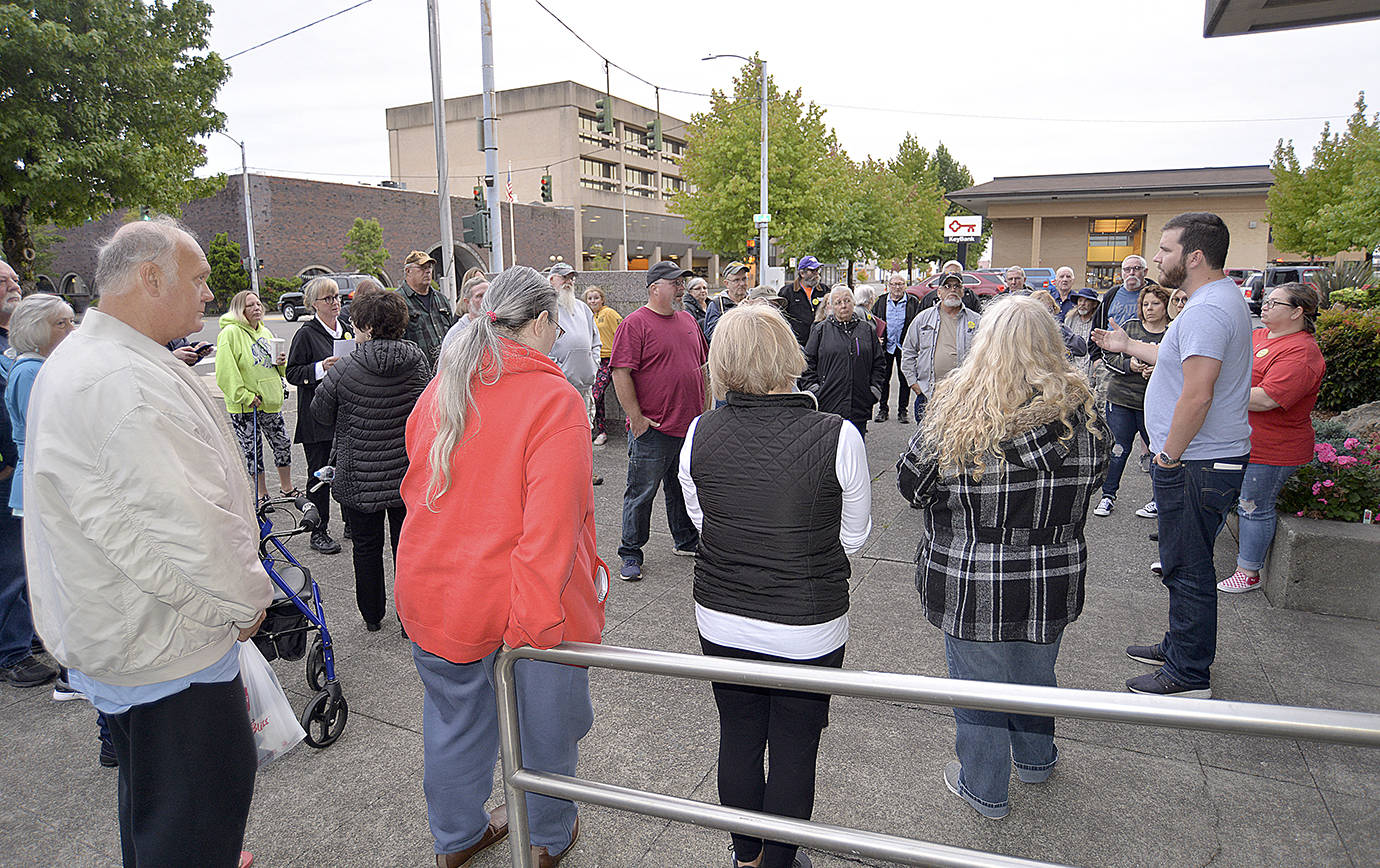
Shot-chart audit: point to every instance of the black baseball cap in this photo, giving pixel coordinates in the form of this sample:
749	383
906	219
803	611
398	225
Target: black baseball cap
666	271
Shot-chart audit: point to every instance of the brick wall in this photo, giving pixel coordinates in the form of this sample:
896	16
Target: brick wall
300	223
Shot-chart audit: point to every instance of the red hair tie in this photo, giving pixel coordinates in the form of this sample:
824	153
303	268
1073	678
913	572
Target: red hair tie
493	317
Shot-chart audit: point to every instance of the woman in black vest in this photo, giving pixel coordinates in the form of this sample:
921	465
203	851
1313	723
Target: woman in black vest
781	495
366	400
311	355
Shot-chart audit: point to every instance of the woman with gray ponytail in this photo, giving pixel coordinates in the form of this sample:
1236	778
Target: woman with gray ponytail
499	445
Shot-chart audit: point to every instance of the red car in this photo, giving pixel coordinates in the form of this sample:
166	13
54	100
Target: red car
985	286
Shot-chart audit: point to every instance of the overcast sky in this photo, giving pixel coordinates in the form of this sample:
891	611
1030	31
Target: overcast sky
1134	85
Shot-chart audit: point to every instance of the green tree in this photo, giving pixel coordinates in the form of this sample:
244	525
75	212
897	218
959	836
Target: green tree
1330	205
227	270
364	251
722	167
869	215
103	101
930	177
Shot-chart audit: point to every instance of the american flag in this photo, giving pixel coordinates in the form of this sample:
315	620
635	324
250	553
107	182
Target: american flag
509	186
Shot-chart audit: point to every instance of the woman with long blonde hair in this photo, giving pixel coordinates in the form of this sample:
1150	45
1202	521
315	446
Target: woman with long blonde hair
498	445
1010	453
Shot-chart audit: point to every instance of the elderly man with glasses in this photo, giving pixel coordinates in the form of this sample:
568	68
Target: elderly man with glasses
802	299
1122	302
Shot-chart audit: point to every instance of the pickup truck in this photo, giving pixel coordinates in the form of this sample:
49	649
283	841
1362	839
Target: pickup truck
1258	284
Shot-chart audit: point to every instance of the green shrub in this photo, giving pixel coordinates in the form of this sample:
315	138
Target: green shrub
1350	342
1340	483
1331	432
1361	297
272	287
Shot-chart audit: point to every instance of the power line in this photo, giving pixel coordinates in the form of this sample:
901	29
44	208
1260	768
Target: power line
297	30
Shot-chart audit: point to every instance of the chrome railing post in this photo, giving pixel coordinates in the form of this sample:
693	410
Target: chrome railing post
510	749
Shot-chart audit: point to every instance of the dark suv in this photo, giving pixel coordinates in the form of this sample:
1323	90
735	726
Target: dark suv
1258	284
291	303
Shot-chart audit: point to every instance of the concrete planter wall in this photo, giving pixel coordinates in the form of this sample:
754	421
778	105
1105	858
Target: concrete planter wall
1328	567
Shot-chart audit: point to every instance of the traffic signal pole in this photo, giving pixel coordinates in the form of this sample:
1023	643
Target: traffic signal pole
486	36
763	229
438	119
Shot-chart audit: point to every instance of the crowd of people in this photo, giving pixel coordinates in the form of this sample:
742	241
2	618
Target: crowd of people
116	461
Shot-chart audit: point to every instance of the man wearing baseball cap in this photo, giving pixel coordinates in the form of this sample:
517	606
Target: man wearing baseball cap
801	300
429	314
735	290
658	362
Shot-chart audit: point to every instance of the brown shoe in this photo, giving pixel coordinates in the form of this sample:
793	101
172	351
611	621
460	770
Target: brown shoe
497	831
543	859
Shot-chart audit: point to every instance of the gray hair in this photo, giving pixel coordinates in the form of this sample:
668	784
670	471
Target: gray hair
1061	269
1015	268
1138	258
131	246
311	293
516	297
864	295
31	324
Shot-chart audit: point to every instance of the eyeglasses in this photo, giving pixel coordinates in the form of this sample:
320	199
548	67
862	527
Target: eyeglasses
560	332
1133	268
1270	302
329	298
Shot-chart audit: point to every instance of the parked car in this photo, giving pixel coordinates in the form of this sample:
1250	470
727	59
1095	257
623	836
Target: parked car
1239	274
984	286
1258	284
1039	278
291	304
1252	285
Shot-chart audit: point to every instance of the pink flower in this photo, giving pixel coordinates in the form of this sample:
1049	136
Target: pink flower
1317	488
1351	443
1299	513
1345	461
1323	501
1326	454
1327	483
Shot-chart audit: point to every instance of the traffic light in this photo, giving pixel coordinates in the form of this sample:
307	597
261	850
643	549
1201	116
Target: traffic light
476	228
478	196
603	114
656	136
752	250
546	188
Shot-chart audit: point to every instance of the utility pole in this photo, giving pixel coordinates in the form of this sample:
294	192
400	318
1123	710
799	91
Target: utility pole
763	217
248	216
486	36
438	119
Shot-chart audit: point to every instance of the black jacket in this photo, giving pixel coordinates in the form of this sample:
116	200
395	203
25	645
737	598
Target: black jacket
311	344
763	467
800	309
845	367
366	398
912	308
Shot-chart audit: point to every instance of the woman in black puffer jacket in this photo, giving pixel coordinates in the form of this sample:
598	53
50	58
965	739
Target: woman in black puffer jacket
367	398
845	367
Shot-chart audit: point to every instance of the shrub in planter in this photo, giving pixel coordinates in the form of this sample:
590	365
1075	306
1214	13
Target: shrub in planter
1350	342
1338	484
1363	298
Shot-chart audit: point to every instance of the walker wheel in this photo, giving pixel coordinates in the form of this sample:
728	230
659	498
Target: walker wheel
316	666
324	719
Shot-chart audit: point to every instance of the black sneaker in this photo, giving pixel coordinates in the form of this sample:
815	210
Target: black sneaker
29	672
1150	654
903	418
1158	684
882	415
322	542
107	756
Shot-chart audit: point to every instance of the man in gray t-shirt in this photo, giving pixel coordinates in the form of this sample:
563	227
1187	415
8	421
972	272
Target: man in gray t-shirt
1196	414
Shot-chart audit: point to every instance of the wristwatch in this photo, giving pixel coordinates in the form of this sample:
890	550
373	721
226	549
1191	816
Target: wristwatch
1165	461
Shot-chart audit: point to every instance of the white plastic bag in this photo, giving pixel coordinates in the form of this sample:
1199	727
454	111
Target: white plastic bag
276	730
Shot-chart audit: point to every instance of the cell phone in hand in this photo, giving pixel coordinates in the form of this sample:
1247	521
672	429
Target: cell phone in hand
203	349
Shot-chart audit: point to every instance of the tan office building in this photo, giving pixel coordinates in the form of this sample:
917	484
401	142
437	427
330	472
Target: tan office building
552	128
1091	222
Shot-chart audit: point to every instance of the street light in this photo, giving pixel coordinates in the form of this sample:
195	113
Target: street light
764	214
248	215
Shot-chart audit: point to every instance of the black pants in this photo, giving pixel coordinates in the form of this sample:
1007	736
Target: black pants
187	765
893	360
318	456
750	719
366	535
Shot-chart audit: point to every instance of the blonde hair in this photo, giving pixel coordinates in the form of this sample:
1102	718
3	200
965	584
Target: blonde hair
1043	297
754	351
317	285
1016	376
238	301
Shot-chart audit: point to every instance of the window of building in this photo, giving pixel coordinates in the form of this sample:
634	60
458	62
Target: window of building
1112	239
598	175
672	150
635	140
589	131
671	185
641	183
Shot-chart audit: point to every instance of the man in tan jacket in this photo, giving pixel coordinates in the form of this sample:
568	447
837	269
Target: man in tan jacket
141	545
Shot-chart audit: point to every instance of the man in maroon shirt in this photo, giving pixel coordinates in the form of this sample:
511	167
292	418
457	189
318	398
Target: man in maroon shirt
658	369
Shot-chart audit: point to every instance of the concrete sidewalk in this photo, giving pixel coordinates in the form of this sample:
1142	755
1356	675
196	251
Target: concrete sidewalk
1122	795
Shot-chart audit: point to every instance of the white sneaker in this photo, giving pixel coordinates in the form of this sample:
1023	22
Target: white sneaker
1105	506
1157	568
1148	511
601	439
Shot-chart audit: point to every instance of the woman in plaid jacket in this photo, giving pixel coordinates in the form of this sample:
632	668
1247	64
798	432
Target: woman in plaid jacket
1010	453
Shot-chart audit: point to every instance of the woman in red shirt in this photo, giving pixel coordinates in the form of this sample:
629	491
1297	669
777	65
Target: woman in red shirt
499	445
1285	375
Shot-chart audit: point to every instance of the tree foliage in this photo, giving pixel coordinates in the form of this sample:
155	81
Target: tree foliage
1330	205
227	270
722	167
103	100
364	251
937	174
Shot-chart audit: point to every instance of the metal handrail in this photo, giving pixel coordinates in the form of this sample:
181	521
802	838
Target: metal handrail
1313	724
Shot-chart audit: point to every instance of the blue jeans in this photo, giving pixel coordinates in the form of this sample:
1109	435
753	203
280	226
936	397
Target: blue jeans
1256	509
16	618
987	742
460	744
1124	422
1193	501
653	461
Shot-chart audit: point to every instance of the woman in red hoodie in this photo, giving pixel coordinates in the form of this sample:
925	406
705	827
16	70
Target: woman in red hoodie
499	444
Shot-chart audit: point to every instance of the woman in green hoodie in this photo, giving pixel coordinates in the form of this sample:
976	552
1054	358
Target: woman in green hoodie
249	371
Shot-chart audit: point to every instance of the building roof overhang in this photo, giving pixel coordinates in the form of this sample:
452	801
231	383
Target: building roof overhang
1223	181
1236	17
